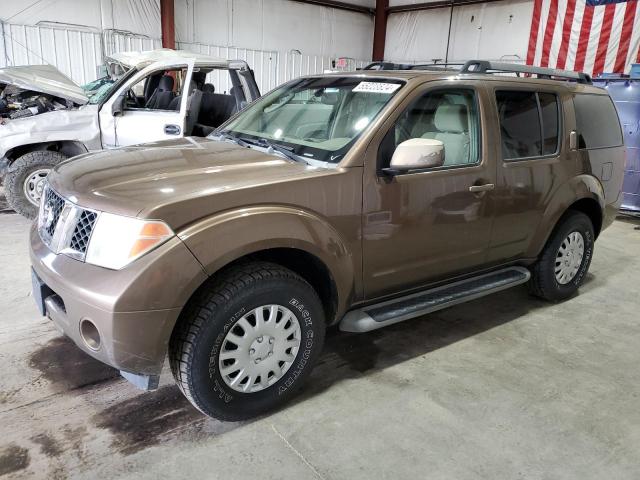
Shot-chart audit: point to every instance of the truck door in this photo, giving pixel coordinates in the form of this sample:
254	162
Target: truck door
134	114
530	164
242	76
426	225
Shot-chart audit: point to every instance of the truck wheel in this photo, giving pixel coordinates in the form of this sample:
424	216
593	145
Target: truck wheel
565	260
24	181
246	341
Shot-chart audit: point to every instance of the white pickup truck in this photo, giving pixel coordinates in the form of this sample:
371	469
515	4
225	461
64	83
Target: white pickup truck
148	96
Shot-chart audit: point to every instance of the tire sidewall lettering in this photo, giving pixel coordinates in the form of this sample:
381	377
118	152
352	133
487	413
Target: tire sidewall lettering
304	316
224	394
586	261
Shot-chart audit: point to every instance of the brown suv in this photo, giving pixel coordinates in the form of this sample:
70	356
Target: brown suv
356	200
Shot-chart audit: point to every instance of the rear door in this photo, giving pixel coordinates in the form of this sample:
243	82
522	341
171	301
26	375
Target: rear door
531	166
246	79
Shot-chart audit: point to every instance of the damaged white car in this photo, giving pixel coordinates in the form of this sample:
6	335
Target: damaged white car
46	118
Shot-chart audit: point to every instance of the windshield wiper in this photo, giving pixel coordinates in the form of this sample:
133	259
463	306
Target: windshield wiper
233	138
262	142
286	151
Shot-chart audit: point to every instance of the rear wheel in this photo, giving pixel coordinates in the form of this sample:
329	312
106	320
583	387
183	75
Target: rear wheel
565	260
247	341
25	179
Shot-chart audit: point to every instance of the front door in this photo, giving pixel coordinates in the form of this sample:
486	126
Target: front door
431	224
148	114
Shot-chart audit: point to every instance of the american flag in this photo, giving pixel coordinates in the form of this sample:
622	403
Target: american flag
591	36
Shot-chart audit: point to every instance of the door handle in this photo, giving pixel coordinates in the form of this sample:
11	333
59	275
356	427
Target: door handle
573	140
481	188
172	129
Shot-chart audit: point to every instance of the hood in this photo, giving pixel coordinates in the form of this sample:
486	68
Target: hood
174	180
44	79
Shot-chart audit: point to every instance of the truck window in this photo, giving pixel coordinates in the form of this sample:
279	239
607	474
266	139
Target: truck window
450	116
549	113
529	123
596	121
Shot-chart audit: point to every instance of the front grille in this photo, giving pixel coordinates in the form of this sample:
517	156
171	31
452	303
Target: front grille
53	205
82	232
65	227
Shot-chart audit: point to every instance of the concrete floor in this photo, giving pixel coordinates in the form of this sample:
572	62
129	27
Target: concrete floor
504	387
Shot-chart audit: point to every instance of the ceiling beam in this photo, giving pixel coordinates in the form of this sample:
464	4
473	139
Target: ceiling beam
380	30
433	5
339	5
168	23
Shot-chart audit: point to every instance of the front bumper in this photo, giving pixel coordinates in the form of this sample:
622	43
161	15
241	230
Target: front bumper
134	309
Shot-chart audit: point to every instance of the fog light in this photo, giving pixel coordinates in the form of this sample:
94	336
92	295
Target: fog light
90	334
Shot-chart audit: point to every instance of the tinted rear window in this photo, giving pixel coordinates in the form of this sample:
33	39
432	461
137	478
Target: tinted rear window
596	121
549	112
529	125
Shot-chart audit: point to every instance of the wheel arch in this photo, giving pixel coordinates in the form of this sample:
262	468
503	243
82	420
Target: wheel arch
584	194
70	148
306	265
592	209
293	238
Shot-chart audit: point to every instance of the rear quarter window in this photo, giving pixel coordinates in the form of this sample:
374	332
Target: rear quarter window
596	121
529	123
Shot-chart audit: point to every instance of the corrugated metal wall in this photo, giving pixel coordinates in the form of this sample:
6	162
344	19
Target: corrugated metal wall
79	51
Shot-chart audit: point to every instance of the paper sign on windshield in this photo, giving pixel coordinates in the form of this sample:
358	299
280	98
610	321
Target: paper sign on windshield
377	87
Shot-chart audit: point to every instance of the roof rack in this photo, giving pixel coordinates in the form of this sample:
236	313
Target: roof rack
483	66
439	67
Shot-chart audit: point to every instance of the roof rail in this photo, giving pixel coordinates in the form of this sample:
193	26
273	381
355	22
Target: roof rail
483	66
383	66
412	66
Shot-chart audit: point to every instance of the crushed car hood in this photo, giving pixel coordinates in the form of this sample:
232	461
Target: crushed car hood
44	79
175	181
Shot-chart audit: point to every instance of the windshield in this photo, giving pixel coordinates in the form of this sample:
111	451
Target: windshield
98	89
316	118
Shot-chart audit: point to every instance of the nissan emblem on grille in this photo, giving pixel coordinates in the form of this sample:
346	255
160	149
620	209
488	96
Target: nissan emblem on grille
48	215
52	207
65	227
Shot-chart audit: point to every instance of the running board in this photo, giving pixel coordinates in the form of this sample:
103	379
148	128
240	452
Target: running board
397	310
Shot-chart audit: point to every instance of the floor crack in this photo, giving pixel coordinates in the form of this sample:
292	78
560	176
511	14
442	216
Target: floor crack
294	450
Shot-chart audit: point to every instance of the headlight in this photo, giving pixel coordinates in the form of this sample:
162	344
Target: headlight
117	241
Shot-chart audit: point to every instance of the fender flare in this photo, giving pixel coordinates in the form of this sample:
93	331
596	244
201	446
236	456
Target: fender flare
219	240
578	188
71	148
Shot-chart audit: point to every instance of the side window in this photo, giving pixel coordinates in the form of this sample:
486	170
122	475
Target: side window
597	121
450	116
550	128
529	123
159	90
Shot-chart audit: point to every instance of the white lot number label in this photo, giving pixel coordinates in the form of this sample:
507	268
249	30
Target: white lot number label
377	87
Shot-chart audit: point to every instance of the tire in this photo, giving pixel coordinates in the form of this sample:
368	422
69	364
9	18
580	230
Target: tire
546	280
205	332
17	178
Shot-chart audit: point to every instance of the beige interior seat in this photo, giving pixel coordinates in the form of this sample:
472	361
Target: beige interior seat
452	129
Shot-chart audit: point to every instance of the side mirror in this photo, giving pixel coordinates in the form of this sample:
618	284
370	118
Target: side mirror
416	154
118	105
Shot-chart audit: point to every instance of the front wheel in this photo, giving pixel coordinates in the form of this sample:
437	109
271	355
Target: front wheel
25	179
565	260
247	341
